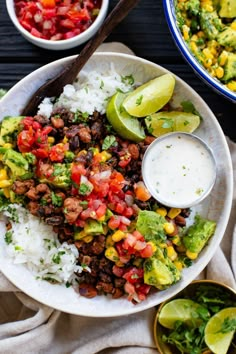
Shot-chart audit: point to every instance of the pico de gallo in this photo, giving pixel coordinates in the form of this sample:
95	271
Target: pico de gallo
75	173
57	19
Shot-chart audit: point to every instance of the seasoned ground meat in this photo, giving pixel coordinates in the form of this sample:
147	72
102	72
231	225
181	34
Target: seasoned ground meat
72	209
21	187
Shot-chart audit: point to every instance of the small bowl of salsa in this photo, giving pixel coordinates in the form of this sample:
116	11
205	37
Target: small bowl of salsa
57	24
179	169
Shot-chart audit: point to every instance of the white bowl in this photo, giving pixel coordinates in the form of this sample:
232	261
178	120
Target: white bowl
216	85
216	206
60	44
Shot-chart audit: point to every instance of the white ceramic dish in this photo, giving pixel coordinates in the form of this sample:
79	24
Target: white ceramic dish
216	206
61	44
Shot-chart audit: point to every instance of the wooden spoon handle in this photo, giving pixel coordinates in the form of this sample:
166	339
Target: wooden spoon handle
54	86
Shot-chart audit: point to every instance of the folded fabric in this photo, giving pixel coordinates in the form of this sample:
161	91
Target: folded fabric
27	326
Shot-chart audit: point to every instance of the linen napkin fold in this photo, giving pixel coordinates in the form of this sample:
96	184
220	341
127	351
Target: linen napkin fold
29	327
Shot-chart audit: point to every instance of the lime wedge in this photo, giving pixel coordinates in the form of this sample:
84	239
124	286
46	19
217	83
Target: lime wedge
179	310
165	122
218	335
150	97
126	126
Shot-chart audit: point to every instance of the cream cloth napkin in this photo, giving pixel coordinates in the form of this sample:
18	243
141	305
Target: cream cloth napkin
28	327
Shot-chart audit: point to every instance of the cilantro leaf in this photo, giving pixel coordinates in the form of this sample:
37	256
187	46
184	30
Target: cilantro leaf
108	142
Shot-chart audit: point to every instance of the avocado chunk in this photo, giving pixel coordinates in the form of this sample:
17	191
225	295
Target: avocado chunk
230	67
93	227
198	234
160	274
16	162
193	7
210	23
9	126
227	8
227	37
60	177
150	224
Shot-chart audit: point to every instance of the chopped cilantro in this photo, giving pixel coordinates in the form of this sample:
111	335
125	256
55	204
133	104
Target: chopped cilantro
56	200
84	189
139	100
108	142
128	79
8	237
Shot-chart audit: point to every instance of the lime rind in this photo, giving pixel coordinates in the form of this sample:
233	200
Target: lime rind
183	310
217	341
150	97
124	124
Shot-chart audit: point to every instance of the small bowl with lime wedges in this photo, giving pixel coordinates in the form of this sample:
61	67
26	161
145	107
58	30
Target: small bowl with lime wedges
200	319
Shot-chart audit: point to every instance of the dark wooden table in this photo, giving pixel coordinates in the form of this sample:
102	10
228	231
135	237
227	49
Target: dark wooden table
144	30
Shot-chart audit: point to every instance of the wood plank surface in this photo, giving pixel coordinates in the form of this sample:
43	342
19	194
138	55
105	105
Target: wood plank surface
144	30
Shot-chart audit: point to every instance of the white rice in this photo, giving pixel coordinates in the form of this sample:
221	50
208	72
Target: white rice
33	243
89	93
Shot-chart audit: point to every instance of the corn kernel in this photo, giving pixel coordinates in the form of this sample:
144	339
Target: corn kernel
219	72
118	236
223	58
171	253
208	7
207	63
191	255
154	247
65	140
112	254
178	264
6	192
233	25
173	212
3	174
161	211
8	146
105	156
5	183
186	32
232	85
51	140
169	228
109	241
176	240
194	38
88	238
193	46
207	53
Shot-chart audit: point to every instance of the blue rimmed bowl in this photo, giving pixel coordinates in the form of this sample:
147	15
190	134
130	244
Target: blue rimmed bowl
216	85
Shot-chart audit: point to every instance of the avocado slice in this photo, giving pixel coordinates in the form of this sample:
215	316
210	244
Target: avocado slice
10	124
16	162
159	274
227	37
227	8
230	67
93	227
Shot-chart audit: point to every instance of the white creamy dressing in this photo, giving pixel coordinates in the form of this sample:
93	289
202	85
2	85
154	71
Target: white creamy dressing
178	170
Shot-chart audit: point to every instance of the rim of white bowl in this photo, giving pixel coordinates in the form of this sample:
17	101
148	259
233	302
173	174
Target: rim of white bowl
82	36
169	10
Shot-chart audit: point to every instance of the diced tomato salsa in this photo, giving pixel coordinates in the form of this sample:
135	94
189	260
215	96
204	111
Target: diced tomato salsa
56	19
